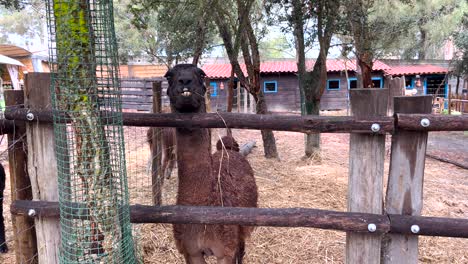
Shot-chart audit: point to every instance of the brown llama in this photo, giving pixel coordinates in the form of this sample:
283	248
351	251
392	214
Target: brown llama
222	179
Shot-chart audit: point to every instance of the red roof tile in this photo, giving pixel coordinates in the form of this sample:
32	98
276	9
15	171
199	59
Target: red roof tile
221	71
416	69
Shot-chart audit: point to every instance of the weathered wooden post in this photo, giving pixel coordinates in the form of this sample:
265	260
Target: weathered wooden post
157	177
366	173
42	164
208	95
405	180
239	97
23	227
449	99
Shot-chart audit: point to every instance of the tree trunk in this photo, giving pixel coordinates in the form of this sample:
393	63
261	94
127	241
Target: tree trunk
269	141
201	35
298	31
422	44
251	56
365	63
312	143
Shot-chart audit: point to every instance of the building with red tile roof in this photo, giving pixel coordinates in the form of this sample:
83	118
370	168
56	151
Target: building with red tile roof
280	84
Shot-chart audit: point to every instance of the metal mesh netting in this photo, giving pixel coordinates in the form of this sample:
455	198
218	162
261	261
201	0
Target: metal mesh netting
93	194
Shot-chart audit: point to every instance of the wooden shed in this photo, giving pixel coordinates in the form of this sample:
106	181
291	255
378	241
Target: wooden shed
280	83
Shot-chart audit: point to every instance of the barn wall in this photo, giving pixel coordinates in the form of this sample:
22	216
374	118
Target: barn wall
287	98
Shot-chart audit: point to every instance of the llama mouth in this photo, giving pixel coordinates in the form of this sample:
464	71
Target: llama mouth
186	92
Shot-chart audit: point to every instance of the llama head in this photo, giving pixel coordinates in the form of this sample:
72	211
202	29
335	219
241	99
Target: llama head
186	89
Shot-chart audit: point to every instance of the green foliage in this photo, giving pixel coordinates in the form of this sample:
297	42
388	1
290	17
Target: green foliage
461	43
12	4
275	48
171	28
414	28
27	22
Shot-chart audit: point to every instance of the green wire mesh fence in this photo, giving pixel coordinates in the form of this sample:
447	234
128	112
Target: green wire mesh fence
93	193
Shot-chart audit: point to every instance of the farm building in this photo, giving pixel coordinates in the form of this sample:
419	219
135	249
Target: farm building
426	78
280	84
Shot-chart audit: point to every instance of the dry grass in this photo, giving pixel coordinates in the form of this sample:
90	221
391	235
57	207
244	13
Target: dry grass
292	182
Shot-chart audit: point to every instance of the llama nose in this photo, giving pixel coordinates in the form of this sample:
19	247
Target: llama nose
185	89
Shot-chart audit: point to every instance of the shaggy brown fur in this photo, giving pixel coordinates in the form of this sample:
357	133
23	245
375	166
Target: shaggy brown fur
222	179
168	158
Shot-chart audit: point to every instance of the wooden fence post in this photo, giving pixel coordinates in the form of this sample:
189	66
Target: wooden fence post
405	180
42	165
366	173
157	177
208	95
24	231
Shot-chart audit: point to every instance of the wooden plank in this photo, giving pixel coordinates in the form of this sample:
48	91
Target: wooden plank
405	180
136	93
23	227
366	173
303	124
42	165
286	217
436	122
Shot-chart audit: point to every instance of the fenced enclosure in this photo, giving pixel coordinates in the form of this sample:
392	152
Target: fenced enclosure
365	222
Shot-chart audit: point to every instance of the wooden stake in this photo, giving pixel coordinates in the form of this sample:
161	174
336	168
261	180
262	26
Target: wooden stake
365	177
42	164
157	177
449	97
405	180
24	232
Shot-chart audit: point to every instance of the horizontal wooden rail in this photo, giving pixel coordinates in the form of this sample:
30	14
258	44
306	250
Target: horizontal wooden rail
304	124
436	122
279	217
324	124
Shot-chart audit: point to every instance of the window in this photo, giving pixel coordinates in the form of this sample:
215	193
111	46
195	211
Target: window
377	82
409	82
352	83
436	85
333	84
214	90
270	87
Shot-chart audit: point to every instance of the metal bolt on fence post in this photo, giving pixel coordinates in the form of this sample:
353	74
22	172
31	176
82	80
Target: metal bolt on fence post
415	229
30	116
372	228
375	127
425	122
31	212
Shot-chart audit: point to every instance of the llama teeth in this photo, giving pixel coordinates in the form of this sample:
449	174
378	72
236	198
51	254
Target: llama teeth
186	94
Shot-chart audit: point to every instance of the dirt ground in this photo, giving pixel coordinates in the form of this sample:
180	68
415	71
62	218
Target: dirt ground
452	146
292	182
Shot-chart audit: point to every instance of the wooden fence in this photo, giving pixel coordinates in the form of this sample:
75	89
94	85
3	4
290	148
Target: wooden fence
365	222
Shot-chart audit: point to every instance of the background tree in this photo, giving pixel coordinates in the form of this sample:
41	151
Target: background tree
238	33
174	31
461	55
323	15
24	24
415	29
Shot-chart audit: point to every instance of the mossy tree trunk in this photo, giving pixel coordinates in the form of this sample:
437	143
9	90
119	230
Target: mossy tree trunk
77	93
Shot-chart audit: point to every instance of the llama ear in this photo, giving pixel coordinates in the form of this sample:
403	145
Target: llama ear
169	74
201	73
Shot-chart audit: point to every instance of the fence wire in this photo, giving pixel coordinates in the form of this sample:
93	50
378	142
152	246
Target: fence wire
93	192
